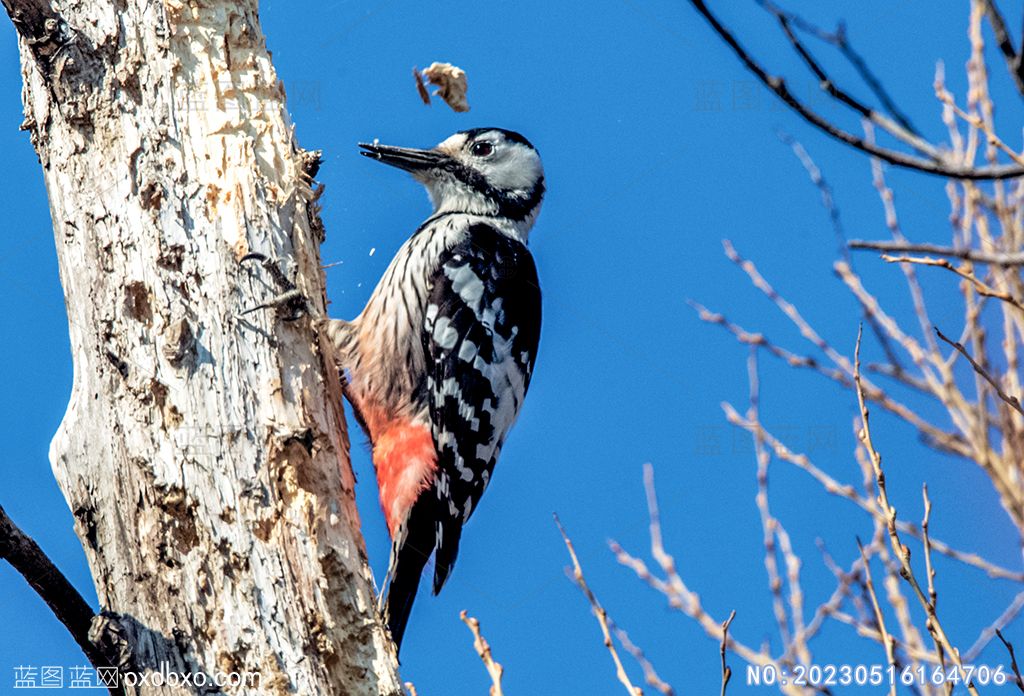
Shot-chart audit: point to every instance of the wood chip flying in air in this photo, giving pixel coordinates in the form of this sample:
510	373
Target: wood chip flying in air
420	87
451	85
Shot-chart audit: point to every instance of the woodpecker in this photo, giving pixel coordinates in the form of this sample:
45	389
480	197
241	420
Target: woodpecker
438	363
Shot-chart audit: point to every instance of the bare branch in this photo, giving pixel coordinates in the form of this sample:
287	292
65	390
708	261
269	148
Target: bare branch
981	286
25	556
786	307
483	649
929	570
726	669
828	202
989	632
936	437
941	439
829	86
775	537
680	597
818	179
650	674
933	596
888	642
841	41
599	612
831	606
888	200
778	86
843	490
1013	401
1013	58
901	552
1013	660
976	121
976	255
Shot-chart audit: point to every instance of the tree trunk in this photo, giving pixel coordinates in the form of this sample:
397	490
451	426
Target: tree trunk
204	455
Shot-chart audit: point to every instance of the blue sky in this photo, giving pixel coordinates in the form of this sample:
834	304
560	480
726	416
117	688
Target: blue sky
657	145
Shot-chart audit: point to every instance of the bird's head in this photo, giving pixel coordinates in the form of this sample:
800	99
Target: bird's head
484	171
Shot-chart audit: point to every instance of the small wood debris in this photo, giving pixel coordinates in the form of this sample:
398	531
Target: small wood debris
420	87
450	82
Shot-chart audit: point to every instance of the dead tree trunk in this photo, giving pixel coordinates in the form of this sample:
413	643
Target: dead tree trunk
204	455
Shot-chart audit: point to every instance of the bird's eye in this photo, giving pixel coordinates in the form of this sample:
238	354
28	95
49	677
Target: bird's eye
483	149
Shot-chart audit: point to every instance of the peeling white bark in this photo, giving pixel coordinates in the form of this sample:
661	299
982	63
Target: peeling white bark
204	456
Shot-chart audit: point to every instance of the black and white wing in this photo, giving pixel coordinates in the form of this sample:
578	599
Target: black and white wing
481	331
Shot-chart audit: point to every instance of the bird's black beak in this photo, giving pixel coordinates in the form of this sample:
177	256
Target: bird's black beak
409	159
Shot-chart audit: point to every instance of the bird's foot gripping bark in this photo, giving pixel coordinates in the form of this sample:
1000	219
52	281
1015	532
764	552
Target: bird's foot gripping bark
290	303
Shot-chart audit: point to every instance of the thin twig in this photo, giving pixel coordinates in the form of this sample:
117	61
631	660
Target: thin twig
1013	660
483	649
841	41
989	632
1013	58
829	86
867	631
679	596
599	612
888	642
976	255
770	526
726	669
901	552
650	674
845	490
979	123
980	286
827	608
888	200
778	86
933	596
786	307
1013	401
829	203
938	438
818	179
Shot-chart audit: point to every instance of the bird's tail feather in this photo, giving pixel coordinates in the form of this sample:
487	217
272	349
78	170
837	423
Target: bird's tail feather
413	544
447	551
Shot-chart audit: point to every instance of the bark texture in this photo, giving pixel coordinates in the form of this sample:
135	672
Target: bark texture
204	455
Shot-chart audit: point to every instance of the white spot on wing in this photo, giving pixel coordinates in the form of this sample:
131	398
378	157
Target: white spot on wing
445	334
468	350
466	285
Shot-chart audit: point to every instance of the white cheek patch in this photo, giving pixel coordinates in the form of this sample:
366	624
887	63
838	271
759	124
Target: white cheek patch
519	169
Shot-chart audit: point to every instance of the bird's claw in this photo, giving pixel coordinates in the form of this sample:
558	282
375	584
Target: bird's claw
290	302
